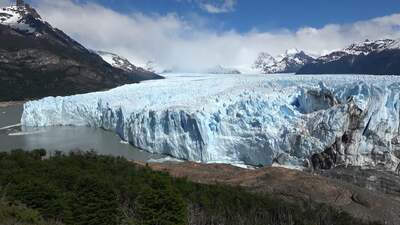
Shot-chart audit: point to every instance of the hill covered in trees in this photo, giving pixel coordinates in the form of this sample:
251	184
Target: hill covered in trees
88	189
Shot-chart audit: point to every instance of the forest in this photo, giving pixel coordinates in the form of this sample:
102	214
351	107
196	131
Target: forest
83	188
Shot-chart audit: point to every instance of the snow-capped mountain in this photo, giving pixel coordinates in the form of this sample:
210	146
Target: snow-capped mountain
38	60
249	119
368	46
264	62
20	17
222	70
290	62
367	57
362	48
24	21
118	61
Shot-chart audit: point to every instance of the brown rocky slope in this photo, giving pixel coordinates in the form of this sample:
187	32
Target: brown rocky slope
293	185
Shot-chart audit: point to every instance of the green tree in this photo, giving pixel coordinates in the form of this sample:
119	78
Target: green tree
94	203
160	207
41	195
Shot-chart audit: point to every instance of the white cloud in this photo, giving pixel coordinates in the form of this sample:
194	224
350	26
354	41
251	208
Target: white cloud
173	41
222	6
214	6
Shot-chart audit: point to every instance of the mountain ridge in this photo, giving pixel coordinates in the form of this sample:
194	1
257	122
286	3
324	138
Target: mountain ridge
38	60
119	62
289	62
380	57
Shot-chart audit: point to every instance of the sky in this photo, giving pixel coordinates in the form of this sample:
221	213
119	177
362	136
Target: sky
193	35
244	15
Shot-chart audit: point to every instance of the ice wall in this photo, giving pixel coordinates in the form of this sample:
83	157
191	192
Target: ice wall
249	118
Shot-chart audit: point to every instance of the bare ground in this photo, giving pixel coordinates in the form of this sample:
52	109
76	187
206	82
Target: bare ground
293	185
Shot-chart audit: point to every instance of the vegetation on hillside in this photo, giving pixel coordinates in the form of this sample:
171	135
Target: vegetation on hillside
88	189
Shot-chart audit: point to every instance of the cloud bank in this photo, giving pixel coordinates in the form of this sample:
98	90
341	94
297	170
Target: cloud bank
173	42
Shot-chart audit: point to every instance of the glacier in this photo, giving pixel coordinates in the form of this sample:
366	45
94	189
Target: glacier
250	119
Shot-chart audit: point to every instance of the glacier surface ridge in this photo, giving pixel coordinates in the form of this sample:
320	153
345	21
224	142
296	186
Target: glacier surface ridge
251	119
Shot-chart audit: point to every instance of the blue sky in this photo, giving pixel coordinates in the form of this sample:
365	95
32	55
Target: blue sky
193	35
264	14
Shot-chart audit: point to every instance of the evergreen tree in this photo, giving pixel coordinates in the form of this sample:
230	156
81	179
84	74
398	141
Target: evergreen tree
160	207
94	203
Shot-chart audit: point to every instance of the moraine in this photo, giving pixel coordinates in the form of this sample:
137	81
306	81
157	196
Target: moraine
251	119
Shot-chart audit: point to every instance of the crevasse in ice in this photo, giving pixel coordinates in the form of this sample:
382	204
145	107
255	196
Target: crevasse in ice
252	119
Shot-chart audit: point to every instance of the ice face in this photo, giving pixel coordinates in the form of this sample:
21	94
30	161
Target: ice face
252	119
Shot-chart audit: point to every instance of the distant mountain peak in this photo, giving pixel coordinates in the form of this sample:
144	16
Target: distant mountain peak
289	62
264	60
118	61
366	57
368	46
19	16
218	69
362	48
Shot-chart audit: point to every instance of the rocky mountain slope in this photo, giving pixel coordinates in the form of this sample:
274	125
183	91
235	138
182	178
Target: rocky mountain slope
381	57
37	60
290	62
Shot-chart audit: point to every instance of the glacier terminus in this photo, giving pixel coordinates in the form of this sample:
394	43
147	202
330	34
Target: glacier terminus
250	119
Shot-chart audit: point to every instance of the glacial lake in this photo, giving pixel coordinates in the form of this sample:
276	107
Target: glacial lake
63	139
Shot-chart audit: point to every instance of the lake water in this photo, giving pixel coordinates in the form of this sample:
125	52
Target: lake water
63	139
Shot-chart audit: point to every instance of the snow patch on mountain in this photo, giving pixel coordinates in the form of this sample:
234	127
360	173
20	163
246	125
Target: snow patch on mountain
368	46
363	48
250	119
118	61
13	17
289	62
